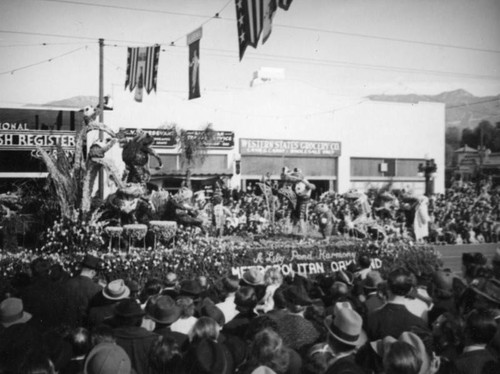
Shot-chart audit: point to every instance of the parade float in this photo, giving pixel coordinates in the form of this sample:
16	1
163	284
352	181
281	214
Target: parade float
141	233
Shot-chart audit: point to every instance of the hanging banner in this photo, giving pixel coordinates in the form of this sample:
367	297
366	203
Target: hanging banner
250	20
270	8
142	69
193	40
285	4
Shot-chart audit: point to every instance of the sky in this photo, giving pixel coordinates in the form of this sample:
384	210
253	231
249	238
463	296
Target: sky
347	48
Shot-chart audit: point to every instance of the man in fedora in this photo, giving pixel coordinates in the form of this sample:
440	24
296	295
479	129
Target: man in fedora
394	318
163	311
81	289
373	297
129	334
344	336
297	332
103	304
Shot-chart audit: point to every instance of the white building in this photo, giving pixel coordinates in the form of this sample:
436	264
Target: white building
375	142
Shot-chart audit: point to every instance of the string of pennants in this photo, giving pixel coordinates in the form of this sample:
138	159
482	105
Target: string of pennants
254	20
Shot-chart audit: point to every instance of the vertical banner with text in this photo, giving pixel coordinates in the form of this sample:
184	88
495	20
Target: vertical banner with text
193	40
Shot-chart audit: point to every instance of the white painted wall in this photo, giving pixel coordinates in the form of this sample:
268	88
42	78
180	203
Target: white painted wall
295	110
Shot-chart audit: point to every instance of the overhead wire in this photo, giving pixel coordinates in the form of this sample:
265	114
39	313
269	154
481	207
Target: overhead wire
12	71
279	25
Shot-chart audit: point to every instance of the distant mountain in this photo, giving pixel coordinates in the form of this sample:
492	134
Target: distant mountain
462	108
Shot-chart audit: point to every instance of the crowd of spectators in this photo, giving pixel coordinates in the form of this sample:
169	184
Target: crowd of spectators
465	213
352	321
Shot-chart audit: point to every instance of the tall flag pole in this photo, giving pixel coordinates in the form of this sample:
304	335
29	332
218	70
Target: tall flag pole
193	41
250	20
142	70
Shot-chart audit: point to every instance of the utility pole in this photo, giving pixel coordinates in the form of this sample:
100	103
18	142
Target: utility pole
101	109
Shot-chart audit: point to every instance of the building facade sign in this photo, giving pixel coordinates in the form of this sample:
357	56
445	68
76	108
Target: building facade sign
31	139
302	148
223	139
164	138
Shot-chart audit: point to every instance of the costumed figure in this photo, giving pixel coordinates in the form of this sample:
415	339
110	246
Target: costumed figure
421	221
360	223
180	209
326	219
135	155
128	205
385	205
9	205
299	198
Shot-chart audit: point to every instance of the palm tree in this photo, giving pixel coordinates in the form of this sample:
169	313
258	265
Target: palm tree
193	148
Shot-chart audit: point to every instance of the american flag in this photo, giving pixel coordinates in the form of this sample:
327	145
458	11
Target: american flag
142	60
250	20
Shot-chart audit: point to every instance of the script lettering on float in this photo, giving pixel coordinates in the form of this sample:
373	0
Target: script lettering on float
17	136
307	148
317	262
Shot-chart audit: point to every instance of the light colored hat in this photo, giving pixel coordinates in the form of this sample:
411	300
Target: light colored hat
12	312
107	358
253	277
346	327
116	290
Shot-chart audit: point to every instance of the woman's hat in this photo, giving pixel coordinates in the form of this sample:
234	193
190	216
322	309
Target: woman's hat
12	312
162	309
346	327
253	277
372	280
116	290
207	356
209	309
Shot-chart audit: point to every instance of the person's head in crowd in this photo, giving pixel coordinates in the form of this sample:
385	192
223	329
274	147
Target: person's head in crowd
318	359
128	313
473	265
203	281
163	310
57	273
399	283
187	307
35	362
345	277
90	266
279	300
487	294
338	291
258	324
372	281
165	355
442	284
297	299
12	312
364	262
171	280
402	358
204	328
40	268
152	287
102	334
107	358
480	327
245	299
344	332
254	278
190	288
230	285
273	276
80	341
116	290
134	287
209	309
267	350
206	356
447	333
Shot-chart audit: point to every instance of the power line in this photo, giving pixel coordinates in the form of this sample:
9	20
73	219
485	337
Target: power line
37	45
303	28
12	71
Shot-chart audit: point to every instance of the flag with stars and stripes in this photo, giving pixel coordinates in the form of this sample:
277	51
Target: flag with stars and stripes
142	67
250	20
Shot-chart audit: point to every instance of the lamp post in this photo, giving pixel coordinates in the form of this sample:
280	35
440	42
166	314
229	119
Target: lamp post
428	169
